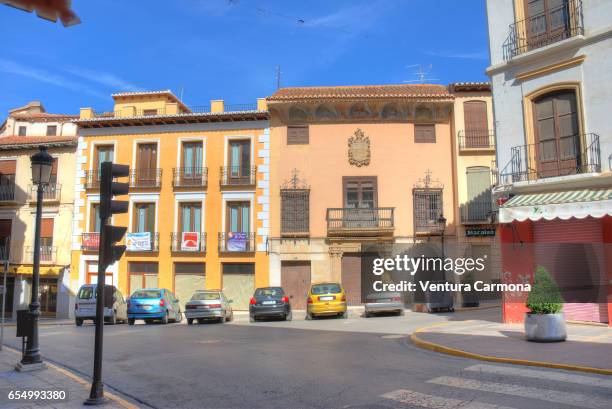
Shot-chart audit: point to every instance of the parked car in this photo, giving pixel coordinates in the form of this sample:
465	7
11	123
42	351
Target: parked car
115	307
150	304
326	299
384	302
269	302
209	305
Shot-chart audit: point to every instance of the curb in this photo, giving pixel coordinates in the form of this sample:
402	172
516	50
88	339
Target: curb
431	346
109	395
41	323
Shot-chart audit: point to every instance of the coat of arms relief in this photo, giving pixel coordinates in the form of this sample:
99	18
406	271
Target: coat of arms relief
359	149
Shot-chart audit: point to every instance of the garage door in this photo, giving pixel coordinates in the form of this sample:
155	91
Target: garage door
239	283
188	278
295	280
351	277
572	251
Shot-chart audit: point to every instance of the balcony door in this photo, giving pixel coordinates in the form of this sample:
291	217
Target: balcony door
192	163
548	21
190	217
146	173
239	161
476	124
360	202
103	153
238	217
479	193
7	179
557	148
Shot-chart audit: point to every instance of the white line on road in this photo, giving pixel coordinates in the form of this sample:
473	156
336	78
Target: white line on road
550	395
538	374
436	402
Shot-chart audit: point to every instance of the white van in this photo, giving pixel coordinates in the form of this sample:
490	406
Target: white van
115	307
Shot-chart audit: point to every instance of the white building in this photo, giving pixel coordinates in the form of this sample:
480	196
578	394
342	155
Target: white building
551	72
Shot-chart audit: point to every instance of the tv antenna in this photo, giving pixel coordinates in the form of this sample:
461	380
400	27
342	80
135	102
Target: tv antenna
421	74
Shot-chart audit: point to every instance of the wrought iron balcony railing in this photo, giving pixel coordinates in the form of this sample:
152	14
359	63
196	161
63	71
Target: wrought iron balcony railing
51	192
556	157
142	242
547	27
362	222
145	178
93	179
47	254
90	241
236	242
7	188
188	242
477	211
190	177
475	139
238	175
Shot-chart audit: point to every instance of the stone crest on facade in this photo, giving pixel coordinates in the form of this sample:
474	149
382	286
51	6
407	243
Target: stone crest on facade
359	149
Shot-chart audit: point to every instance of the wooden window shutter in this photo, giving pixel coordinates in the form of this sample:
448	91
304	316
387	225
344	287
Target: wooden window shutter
298	135
7	167
54	166
475	113
424	133
46	228
295	211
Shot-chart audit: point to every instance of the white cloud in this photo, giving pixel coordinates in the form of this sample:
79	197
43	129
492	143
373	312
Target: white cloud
104	78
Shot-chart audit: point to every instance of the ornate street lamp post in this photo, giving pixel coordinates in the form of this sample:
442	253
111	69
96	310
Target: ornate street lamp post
41	176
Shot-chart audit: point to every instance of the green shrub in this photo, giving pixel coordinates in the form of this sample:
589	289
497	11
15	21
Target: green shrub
544	297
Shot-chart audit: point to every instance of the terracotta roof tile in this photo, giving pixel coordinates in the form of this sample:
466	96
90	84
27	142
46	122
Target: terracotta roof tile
34	140
362	91
44	116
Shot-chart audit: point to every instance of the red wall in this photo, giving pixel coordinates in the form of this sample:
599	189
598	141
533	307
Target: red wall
607	239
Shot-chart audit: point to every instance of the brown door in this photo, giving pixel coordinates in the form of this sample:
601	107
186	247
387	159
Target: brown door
5	237
360	202
557	148
48	295
476	124
239	161
191	173
46	240
351	277
147	164
295	280
548	21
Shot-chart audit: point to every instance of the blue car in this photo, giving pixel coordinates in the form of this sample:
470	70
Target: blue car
153	304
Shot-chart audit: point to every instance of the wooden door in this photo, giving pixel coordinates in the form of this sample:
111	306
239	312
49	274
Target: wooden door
479	193
360	202
239	161
147	164
476	124
547	21
190	217
351	277
557	149
192	164
295	280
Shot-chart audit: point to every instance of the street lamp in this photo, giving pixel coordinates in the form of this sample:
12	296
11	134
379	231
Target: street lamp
42	163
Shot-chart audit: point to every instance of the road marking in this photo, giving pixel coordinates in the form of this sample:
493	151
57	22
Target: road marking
550	395
537	374
436	402
393	336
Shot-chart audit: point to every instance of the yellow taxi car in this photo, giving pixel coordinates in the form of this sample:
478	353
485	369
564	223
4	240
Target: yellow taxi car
326	299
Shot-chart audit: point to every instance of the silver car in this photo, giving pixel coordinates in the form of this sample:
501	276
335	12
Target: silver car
384	301
115	307
209	305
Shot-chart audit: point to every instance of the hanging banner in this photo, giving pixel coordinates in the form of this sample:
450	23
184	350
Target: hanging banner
190	241
138	241
237	241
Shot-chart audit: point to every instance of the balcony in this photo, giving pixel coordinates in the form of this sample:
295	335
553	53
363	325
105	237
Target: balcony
238	175
47	254
144	242
188	242
374	222
51	192
190	177
93	179
476	140
236	242
7	189
477	211
90	241
145	178
547	27
553	158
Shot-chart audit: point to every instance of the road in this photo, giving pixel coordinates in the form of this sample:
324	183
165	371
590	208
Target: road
331	363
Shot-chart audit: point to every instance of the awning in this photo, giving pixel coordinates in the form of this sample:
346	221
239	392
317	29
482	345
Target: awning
20	269
563	205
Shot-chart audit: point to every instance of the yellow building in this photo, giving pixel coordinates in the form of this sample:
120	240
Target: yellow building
199	195
22	133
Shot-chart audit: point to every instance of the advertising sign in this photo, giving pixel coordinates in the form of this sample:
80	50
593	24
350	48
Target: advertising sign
237	241
138	241
190	241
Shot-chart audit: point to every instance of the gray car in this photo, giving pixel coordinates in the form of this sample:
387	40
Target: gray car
209	305
384	302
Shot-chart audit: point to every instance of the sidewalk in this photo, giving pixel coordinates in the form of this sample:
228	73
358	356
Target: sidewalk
587	348
53	378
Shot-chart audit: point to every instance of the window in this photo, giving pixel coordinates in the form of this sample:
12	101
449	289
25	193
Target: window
7	179
424	133
476	125
94	220
239	159
297	135
238	217
295	211
192	160
23	130
144	217
149	112
46	239
479	204
5	236
51	130
190	217
360	192
146	165
143	275
427	209
549	21
103	153
238	268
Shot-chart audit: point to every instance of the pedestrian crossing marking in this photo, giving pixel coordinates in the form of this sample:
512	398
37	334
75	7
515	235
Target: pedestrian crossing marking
550	395
436	402
539	374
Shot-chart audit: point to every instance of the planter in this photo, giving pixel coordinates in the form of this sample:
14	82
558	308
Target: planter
545	327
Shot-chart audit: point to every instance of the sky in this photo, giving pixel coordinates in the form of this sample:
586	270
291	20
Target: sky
229	49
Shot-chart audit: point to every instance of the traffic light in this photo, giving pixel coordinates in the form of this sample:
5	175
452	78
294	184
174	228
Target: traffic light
109	252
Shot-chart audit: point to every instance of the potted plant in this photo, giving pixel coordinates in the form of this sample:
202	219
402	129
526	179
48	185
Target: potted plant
545	321
469	298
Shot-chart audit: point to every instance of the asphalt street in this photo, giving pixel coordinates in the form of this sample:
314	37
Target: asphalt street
335	363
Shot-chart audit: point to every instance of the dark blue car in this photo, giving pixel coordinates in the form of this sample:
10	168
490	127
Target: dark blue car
152	304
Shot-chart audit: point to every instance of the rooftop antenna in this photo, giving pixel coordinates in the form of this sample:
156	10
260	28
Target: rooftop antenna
421	74
278	76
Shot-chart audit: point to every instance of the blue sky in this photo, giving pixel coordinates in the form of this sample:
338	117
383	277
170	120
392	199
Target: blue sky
228	49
